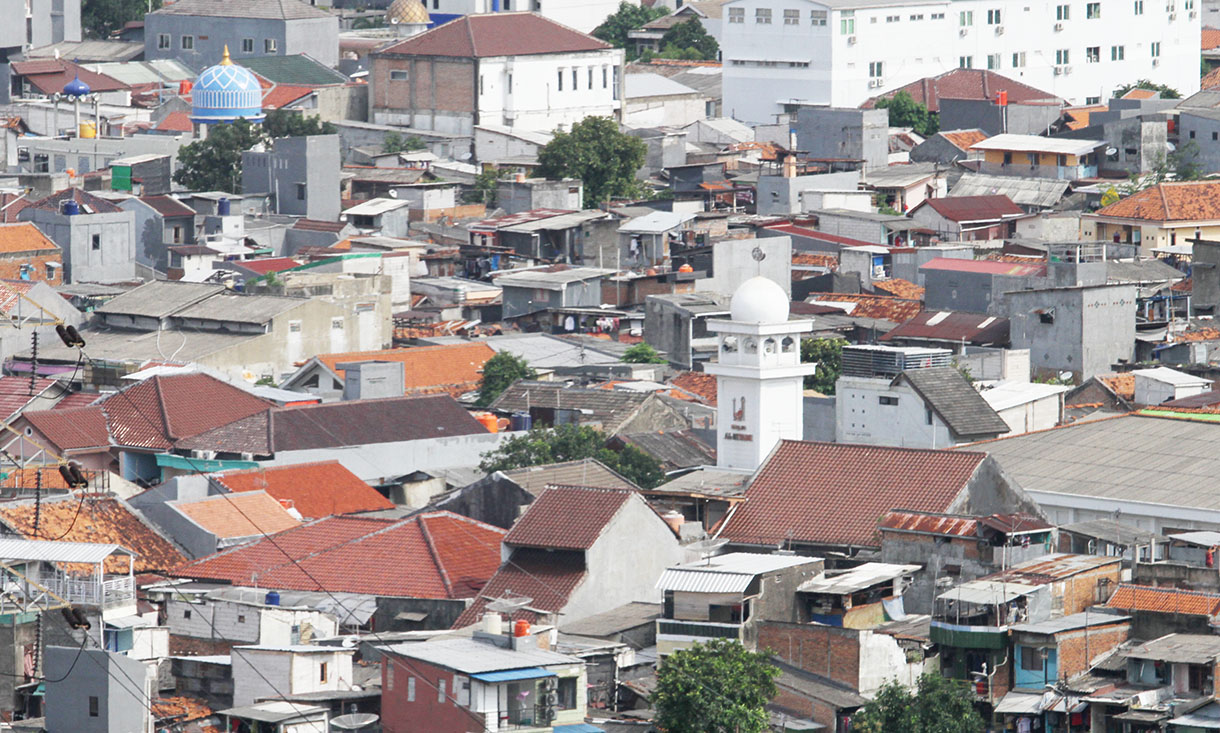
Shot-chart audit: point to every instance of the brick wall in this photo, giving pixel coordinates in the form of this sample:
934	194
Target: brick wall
445	85
1081	591
1077	648
827	651
426	713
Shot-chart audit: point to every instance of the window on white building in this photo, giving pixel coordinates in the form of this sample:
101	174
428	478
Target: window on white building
993	17
875	69
163	41
965	62
1018	60
1061	57
1092	11
737	15
792	17
1156	49
269	45
1139	7
847	23
559	76
817	17
1092	54
590	77
965	18
398	75
615	87
762	16
917	16
1063	12
1116	53
938	16
605	77
993	61
574	84
1188	4
188	43
893	18
1092	100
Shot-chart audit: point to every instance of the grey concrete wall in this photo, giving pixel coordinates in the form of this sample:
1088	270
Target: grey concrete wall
315	37
936	149
1205	277
1093	327
121	705
856	227
905	265
1204	129
515	197
844	133
779	196
1023	119
113	261
292	161
972	292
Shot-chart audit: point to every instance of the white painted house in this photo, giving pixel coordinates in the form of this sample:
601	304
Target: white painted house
261	672
841	52
1162	384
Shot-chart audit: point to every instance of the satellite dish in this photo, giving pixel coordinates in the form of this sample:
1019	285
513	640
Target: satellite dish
1171	147
1065	376
350	642
709	547
465	156
1111	151
249	376
394	21
508	603
393	193
354	721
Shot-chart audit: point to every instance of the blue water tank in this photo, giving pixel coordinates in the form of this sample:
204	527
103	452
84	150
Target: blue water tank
272	599
521	421
71	208
222	207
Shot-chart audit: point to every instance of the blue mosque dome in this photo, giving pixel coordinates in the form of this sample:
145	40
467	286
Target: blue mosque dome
226	92
76	88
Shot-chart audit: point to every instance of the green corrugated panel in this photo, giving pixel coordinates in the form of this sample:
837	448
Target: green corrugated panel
120	178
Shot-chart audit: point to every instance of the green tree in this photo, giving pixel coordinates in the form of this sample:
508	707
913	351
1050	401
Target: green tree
572	443
906	112
601	156
828	353
717	687
642	353
499	372
1167	92
486	188
690	35
289	123
214	163
937	705
100	18
395	142
628	17
1182	164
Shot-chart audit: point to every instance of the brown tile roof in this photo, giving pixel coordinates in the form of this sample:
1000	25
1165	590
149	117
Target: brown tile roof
1199	334
881	307
851	487
449	368
95	519
430	555
1130	597
973	208
179	709
815	259
964	138
1077	118
585	472
249	514
51	75
1211	79
176	121
953	525
697	383
900	288
496	34
159	411
546	577
168	206
1139	93
16	393
977	84
317	225
89	204
24	237
314	489
1122	385
1172	201
71	429
1209	38
567	518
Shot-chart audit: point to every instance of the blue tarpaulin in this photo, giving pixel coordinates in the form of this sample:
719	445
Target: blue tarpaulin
508	675
578	728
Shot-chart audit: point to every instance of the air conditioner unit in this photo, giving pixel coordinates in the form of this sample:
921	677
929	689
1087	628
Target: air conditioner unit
1058	26
963	32
851	40
1173	17
1058	71
999	30
1156	62
1067	70
872	83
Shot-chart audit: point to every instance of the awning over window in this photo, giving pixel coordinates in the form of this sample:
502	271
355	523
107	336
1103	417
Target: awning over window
508	675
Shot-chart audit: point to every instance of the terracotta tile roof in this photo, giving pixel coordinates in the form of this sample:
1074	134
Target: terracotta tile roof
24	237
430	555
698	383
496	34
317	225
1211	79
988	267
973	208
426	368
100	519
900	288
1139	93
265	265
162	410
314	489
89	203
1130	597
1182	286
179	709
1172	201
76	399
964	138
280	95
175	122
1122	385
974	84
71	429
1077	118
881	307
546	577
27	478
249	514
15	393
1199	334
814	259
51	75
852	487
1209	38
567	518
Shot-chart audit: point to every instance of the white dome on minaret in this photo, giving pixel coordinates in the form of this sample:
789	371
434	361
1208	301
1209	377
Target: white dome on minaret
759	300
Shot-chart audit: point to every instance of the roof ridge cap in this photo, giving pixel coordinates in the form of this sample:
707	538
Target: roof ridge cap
436	557
474	48
1164	201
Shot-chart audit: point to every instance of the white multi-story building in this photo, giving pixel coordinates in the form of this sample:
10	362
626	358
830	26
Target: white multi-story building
583	15
841	52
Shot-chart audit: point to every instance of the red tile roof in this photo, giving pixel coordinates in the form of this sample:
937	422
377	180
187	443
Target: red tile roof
966	84
176	122
426	368
1078	117
16	393
51	75
548	578
1130	597
567	518
431	555
314	489
1173	201
71	429
249	514
973	208
1139	93
168	206
881	307
1209	38
698	383
964	138
496	34
989	267
828	493
24	237
76	399
268	264
280	95
159	411
900	288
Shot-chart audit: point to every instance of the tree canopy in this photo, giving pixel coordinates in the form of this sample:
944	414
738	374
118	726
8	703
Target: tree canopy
396	142
214	163
828	353
100	18
937	705
642	353
287	123
717	687
690	38
628	17
906	112
1167	92
601	156
572	443
499	372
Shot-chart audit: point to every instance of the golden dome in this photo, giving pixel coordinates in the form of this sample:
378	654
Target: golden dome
407	12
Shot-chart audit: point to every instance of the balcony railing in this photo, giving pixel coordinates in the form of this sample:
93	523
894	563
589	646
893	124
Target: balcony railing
700	629
88	591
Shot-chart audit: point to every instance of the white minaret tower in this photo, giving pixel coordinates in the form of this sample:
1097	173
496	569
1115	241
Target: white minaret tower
759	376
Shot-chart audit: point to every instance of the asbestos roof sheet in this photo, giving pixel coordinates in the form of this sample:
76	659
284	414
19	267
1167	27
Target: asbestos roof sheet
857	578
658	222
1038	144
478	657
563	221
987	592
956	401
45	551
375	207
731	573
1070	623
1036	192
1020	703
1179	648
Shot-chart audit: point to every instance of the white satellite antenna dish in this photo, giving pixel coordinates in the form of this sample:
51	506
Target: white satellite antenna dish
350	642
508	603
393	193
1111	151
1171	147
709	547
354	721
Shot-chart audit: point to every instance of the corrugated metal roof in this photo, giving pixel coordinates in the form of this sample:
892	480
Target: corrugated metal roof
476	657
693	581
987	592
857	578
925	523
85	552
729	573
